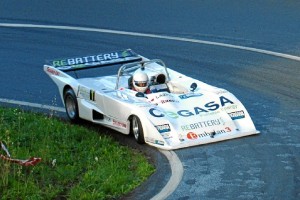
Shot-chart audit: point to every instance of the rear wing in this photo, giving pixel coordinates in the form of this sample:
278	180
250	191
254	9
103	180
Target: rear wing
92	61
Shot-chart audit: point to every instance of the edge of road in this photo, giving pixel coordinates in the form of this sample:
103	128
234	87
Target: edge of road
164	161
177	173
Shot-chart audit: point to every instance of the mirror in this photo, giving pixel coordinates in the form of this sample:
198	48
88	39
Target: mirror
140	94
193	87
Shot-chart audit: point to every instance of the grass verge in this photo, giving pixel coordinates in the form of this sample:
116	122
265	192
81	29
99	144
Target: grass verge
77	163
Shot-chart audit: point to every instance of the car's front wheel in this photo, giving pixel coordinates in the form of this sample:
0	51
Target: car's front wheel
137	130
71	105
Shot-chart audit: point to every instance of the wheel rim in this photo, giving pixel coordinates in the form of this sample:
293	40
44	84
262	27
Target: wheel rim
70	107
135	128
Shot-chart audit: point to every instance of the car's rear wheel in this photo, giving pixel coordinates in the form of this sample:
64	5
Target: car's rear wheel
71	105
137	130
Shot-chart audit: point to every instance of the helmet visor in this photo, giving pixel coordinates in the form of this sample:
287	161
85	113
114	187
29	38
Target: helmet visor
140	83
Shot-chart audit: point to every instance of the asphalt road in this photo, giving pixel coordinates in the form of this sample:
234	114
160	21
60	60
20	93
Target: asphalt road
266	166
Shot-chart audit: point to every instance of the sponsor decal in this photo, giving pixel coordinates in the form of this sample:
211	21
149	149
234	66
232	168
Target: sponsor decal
167	136
119	124
92	60
206	134
212	134
206	108
163	101
237	115
86	93
92	95
221	91
52	71
163	98
202	124
152	101
85	59
230	107
154	141
163	95
168	101
192	136
163	128
186	96
215	132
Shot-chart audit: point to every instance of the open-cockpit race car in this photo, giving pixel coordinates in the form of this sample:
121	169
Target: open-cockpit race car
178	112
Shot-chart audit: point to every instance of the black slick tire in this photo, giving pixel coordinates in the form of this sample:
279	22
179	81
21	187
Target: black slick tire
71	105
137	130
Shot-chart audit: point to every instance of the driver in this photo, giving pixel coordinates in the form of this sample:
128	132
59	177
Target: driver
140	82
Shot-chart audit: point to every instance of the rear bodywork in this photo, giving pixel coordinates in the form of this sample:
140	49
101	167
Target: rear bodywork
178	117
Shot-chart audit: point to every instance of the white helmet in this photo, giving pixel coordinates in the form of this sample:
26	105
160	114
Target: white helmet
140	81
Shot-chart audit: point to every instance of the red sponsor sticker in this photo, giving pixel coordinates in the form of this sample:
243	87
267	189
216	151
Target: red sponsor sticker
52	71
120	124
192	136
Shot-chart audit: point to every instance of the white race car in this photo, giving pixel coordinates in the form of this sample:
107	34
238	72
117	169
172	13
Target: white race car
179	112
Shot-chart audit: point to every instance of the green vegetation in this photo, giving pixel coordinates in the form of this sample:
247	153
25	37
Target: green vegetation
77	163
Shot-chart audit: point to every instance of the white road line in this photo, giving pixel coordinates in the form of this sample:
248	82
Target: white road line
177	173
76	28
34	105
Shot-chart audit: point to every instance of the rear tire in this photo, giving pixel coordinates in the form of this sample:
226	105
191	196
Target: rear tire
137	130
71	105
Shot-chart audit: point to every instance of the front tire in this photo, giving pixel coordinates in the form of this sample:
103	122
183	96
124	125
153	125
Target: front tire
71	105
137	130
